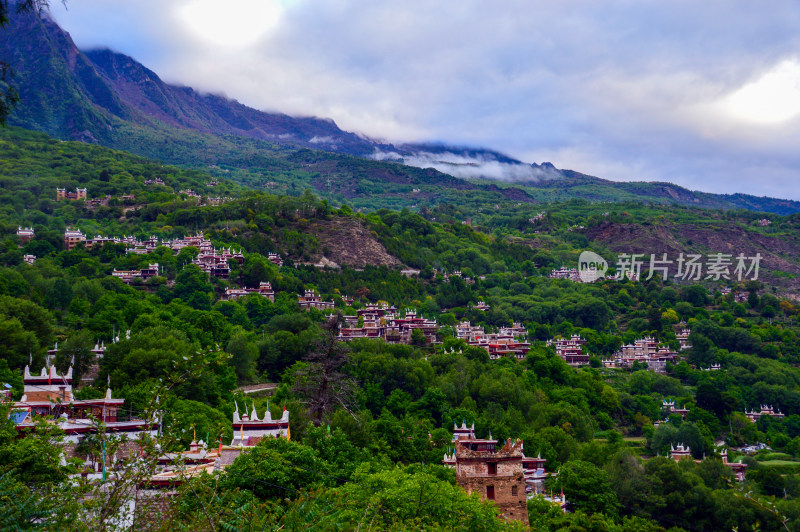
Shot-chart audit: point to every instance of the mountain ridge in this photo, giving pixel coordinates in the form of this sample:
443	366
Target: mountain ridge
182	106
109	98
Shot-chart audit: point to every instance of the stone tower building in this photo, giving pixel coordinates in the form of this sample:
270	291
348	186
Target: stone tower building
495	475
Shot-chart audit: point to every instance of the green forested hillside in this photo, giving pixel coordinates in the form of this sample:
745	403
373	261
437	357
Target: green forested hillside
370	456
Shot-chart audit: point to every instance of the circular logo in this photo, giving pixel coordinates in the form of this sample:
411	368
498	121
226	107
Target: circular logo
591	266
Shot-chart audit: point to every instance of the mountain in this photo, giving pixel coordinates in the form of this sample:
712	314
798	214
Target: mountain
77	95
141	89
57	84
107	98
577	185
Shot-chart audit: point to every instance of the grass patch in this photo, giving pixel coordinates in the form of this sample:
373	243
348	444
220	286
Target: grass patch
767	457
780	463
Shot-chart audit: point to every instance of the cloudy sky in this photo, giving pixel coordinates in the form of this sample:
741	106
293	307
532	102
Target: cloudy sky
705	94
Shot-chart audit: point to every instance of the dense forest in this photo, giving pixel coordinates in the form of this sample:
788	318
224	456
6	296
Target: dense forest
367	450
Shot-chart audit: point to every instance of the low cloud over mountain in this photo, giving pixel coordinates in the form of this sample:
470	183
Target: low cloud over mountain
480	164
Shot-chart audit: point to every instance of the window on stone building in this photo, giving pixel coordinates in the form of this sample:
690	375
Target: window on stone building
490	492
492	468
513	491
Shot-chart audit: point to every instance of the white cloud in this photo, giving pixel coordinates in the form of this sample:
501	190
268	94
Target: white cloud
238	24
467	166
771	99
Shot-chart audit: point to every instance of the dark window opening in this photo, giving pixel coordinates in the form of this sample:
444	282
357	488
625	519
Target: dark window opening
490	492
492	468
513	490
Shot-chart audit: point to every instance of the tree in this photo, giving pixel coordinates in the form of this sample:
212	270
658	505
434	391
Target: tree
187	255
77	348
414	498
33	318
592	313
59	295
185	419
787	308
702	351
418	338
20	507
668	435
715	474
154	353
670	316
334	447
663	438
16	342
236	312
362	292
587	487
695	294
277	469
255	270
632	486
770	480
192	285
753	299
34	459
244	354
322	381
433	403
